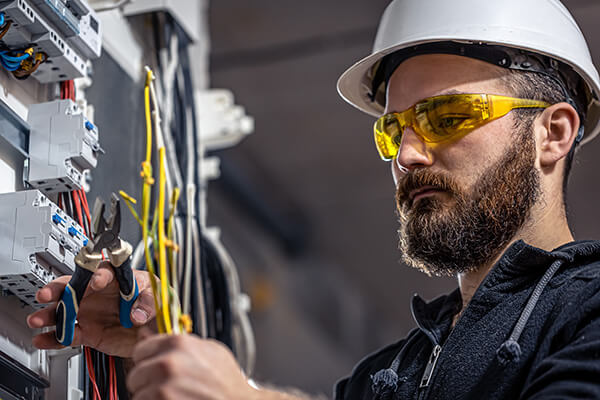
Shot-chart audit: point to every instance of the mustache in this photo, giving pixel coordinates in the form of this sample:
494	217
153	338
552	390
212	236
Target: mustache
419	178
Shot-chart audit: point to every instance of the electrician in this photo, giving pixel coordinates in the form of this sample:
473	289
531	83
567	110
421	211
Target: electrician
481	106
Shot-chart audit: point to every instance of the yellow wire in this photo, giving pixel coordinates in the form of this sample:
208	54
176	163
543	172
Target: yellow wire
162	254
147	176
149	78
172	246
129	201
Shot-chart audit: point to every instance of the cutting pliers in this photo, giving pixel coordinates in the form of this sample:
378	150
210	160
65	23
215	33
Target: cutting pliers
106	237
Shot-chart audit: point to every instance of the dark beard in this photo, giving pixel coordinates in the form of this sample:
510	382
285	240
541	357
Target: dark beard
467	230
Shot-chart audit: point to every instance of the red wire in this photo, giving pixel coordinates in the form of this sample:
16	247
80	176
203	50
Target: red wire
67	90
60	201
88	361
72	90
86	207
113	378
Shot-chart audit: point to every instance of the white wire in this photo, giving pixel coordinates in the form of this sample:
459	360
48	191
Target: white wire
187	274
199	289
237	301
137	258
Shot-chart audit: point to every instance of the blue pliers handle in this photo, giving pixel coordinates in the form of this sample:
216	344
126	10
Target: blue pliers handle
129	292
106	237
68	306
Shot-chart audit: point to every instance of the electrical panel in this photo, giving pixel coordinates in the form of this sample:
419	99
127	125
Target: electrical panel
68	32
185	12
63	143
38	242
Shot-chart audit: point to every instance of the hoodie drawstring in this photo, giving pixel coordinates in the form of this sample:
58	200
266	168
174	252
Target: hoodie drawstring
510	349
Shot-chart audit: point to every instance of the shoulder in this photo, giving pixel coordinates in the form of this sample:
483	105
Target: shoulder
576	300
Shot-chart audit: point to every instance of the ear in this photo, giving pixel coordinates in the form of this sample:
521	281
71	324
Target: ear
557	129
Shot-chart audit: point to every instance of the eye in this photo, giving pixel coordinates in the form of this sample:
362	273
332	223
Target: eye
397	139
450	121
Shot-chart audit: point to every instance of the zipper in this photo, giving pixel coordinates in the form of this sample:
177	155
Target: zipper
430	367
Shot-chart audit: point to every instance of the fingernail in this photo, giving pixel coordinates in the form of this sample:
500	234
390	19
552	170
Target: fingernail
139	315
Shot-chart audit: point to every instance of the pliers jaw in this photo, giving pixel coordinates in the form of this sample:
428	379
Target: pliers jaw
106	231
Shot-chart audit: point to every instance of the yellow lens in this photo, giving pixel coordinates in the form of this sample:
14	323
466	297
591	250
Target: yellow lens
388	134
444	117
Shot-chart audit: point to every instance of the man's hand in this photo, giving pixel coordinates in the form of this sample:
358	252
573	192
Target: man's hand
186	367
98	317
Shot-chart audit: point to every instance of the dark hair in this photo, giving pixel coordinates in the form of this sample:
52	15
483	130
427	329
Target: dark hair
537	86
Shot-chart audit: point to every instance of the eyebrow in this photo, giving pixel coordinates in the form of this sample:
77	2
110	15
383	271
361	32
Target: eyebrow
453	91
444	93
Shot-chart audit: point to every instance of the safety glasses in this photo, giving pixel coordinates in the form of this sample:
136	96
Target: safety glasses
441	118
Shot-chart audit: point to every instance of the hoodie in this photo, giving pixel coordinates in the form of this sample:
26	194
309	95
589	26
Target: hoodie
531	331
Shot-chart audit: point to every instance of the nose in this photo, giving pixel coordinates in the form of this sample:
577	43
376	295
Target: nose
412	153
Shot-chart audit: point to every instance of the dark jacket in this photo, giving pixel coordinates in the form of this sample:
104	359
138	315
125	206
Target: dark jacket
531	331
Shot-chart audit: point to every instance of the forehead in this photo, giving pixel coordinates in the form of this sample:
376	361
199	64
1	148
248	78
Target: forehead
434	74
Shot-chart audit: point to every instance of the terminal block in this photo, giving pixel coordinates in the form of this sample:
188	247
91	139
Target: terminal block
38	242
69	33
62	145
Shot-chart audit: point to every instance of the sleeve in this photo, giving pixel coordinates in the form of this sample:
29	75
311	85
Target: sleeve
573	371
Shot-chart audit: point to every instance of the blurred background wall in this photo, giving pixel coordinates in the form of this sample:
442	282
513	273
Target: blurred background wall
305	205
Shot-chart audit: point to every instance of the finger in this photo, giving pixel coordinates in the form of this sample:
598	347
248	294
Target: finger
143	309
153	346
149	392
42	318
46	341
143	279
149	372
52	291
102	277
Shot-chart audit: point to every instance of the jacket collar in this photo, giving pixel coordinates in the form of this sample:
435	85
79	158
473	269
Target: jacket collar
520	264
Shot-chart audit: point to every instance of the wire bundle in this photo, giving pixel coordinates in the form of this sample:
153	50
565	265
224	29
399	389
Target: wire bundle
170	318
13	62
21	63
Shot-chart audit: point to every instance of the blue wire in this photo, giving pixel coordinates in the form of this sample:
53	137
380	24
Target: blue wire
8	66
12	58
2	19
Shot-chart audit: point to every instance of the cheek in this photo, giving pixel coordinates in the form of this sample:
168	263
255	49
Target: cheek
472	155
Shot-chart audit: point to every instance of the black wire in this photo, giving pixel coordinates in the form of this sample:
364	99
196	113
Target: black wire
122	392
67	204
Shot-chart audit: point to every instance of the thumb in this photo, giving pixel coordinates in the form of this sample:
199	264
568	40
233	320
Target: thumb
143	309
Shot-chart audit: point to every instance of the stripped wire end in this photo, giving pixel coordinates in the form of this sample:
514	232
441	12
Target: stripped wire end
129	201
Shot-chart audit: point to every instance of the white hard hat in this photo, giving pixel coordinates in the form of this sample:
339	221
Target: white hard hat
539	27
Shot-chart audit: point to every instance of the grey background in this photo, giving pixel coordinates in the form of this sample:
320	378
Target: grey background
305	206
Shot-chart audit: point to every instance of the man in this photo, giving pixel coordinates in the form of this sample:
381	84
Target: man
481	107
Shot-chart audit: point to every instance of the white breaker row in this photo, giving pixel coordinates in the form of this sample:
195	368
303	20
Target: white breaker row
68	31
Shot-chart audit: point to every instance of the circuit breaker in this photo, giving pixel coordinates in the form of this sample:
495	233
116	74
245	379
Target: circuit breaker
68	32
38	242
62	145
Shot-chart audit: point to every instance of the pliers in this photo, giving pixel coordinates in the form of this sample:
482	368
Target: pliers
106	237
